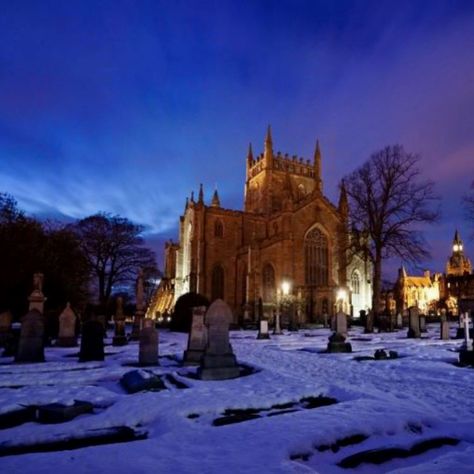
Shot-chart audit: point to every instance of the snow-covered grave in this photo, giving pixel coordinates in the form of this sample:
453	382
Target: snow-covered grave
297	409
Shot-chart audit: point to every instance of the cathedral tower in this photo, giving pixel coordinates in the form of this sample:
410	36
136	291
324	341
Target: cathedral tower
458	263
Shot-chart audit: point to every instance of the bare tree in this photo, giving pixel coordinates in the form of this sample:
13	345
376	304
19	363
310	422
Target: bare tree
115	251
389	200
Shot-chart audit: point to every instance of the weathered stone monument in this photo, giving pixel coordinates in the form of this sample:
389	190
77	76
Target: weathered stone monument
218	361
5	327
120	338
423	323
444	328
139	306
31	344
67	328
37	298
92	341
466	354
263	330
277	326
338	337
413	323
197	339
399	321
148	346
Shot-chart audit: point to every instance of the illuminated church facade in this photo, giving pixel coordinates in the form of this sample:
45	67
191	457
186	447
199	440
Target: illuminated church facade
288	232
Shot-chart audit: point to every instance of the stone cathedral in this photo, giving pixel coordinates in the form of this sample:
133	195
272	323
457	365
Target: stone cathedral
288	232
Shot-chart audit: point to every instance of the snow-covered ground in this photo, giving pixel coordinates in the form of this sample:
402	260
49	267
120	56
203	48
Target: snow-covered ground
393	403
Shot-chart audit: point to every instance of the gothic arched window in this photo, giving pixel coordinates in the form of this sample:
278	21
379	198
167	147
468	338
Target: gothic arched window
268	280
218	229
217	290
316	258
355	282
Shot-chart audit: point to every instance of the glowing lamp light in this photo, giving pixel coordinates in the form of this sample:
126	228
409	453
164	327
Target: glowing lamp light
285	287
341	294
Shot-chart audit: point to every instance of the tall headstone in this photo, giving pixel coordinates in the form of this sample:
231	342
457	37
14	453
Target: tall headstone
31	344
148	345
140	305
337	340
5	327
197	339
263	330
277	327
119	339
413	323
444	328
341	323
399	321
466	353
218	361
67	328
423	323
92	341
37	298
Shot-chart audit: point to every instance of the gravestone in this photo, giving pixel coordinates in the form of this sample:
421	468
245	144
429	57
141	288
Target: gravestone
31	344
337	339
148	345
444	328
277	327
5	327
119	339
399	321
423	323
460	331
67	328
218	361
92	341
263	330
341	323
37	299
413	323
197	339
466	354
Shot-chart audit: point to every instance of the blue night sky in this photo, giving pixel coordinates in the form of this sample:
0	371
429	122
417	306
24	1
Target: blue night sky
126	106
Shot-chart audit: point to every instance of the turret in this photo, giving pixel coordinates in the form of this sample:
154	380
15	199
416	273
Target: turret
215	199
201	195
343	206
268	150
317	168
250	157
457	243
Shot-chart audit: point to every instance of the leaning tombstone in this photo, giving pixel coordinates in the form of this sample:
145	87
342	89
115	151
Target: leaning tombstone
444	328
5	327
197	339
148	344
31	344
67	328
218	361
413	323
92	341
119	339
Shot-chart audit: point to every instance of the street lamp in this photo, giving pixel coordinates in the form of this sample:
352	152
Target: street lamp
285	287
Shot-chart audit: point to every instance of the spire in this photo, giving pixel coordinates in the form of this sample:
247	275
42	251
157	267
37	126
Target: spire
343	202
215	199
402	273
250	155
192	197
457	242
268	150
186	205
317	167
201	195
